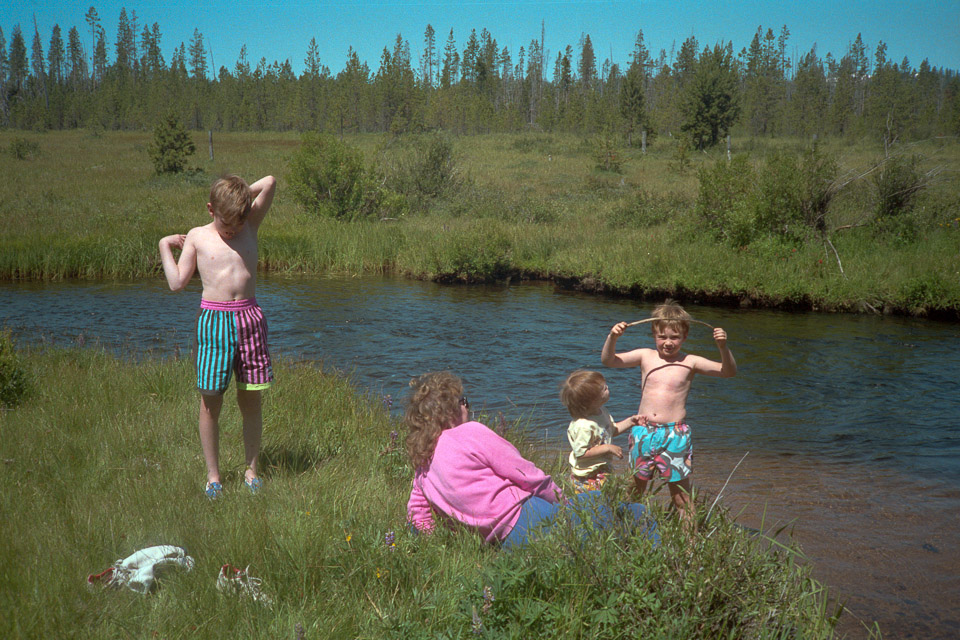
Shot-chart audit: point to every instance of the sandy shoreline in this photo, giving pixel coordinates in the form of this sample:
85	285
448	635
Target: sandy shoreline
885	544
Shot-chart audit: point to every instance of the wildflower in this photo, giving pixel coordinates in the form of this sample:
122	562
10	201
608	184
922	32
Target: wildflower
394	436
348	537
488	599
388	402
389	539
477	624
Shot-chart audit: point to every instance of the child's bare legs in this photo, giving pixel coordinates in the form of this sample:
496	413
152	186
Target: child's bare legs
640	485
681	496
249	403
210	406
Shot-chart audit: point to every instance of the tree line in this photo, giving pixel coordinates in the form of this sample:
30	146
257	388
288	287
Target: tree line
695	94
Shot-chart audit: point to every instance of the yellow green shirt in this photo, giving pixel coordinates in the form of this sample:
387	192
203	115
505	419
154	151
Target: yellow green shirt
586	433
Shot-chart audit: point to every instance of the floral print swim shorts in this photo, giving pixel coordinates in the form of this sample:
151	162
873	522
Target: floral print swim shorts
662	449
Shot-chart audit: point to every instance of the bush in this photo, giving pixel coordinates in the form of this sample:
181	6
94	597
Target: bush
13	379
171	146
787	197
328	176
645	209
898	183
607	154
421	168
22	149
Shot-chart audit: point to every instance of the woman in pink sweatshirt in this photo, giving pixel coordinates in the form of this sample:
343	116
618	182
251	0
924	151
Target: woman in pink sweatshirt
467	473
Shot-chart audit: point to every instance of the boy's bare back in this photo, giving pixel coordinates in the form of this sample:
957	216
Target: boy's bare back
224	255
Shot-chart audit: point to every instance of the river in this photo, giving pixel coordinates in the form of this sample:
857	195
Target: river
852	423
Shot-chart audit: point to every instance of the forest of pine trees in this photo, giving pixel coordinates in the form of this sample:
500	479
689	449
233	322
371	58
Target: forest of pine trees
475	86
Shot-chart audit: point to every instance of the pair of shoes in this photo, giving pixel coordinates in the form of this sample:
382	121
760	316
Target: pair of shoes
213	490
253	484
238	581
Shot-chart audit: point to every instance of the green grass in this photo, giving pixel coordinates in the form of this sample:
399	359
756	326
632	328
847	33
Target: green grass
532	206
102	458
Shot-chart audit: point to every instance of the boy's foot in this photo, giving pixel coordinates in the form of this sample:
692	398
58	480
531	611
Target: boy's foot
213	490
253	484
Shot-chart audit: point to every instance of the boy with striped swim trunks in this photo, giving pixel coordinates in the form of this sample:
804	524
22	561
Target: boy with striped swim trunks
231	332
663	446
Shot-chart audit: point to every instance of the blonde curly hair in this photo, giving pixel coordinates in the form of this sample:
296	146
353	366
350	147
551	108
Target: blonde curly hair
434	405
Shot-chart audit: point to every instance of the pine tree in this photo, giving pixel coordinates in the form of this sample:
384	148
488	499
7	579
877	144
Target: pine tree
198	56
451	62
809	102
56	57
4	72
311	64
171	145
18	61
632	101
428	61
77	76
126	52
710	102
587	67
93	20
100	57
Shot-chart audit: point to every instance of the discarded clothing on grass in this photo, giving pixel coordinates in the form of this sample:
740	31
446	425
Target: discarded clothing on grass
137	572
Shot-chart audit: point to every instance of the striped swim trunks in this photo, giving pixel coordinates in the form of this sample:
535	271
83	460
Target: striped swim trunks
232	336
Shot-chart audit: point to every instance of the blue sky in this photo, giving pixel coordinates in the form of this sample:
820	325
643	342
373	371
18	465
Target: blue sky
279	31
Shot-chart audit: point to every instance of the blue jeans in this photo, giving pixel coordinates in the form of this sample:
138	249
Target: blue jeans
537	516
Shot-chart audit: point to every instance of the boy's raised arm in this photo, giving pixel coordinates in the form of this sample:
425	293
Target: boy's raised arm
178	273
726	368
262	191
609	356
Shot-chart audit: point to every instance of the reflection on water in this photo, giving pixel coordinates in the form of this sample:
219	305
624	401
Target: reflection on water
852	409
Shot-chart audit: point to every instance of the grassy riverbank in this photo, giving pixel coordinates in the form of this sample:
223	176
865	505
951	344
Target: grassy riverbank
102	459
88	206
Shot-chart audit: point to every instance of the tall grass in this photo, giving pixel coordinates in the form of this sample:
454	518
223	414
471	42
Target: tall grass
102	459
89	206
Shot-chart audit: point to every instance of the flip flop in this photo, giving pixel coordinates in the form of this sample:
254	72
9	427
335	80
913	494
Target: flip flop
253	484
213	490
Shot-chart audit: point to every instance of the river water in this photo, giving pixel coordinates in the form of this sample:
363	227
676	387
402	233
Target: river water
851	424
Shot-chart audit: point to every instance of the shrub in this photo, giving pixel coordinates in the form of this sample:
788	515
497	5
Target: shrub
421	167
607	154
787	197
328	176
898	183
723	199
22	149
645	209
13	379
171	146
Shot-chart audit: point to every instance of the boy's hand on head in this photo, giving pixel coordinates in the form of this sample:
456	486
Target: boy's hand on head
720	336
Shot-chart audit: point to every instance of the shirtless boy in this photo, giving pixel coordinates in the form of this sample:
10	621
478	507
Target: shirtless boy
231	331
664	445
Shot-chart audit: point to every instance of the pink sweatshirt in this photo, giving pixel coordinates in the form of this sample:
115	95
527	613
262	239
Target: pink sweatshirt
477	478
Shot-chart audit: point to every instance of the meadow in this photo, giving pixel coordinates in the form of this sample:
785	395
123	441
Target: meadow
82	204
102	458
